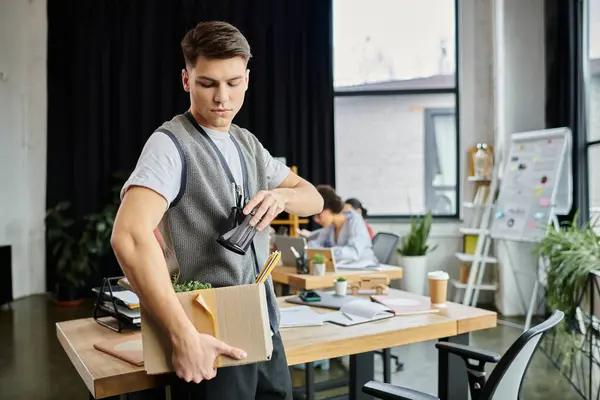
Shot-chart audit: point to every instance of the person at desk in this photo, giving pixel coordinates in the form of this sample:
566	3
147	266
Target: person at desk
343	231
356	205
191	173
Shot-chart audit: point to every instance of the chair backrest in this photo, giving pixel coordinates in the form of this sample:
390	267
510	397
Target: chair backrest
384	246
506	380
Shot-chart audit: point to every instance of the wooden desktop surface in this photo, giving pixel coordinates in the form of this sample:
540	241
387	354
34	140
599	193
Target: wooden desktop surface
106	376
287	276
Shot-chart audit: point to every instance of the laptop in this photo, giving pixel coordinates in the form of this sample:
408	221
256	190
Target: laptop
284	243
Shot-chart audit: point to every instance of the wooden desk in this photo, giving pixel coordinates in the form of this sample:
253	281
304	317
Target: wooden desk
287	276
107	376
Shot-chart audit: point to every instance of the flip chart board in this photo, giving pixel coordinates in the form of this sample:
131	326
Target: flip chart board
536	184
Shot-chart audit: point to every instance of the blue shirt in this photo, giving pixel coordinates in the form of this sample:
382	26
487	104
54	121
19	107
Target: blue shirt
353	243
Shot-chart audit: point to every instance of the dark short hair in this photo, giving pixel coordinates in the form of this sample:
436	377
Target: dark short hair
331	200
214	39
357	205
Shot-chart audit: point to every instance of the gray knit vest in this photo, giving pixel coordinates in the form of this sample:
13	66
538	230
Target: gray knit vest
199	214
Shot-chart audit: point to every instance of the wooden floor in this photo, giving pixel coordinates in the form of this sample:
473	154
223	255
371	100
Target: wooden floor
34	366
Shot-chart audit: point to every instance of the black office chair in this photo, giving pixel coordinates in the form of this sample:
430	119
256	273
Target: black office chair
384	247
506	380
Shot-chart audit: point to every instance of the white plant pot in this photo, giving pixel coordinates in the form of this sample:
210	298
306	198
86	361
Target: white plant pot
341	288
318	269
414	274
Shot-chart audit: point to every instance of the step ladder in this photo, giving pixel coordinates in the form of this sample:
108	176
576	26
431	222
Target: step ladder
478	223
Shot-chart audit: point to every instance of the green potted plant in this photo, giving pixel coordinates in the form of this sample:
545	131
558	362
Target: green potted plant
318	264
571	252
77	246
413	252
341	286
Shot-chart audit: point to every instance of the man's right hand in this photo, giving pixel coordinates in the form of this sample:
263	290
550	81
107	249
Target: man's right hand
195	354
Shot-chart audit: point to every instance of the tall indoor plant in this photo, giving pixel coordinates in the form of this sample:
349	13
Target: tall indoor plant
571	253
413	252
78	245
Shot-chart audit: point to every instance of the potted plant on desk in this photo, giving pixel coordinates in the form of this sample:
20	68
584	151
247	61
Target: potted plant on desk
341	286
318	264
413	254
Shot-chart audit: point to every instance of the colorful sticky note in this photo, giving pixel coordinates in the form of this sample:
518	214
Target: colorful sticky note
521	147
515	166
544	202
531	225
536	158
538	192
499	214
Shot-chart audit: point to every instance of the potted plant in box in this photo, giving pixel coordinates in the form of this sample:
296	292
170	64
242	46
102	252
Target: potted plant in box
413	252
318	264
341	286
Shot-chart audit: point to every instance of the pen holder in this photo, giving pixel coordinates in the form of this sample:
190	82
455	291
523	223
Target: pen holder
302	265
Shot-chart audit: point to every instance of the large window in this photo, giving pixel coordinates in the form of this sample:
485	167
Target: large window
396	142
592	95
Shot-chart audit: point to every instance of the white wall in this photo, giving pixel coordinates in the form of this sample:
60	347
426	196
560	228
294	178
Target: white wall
23	37
520	106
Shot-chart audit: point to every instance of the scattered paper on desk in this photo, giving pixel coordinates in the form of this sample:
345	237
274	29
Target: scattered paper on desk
299	316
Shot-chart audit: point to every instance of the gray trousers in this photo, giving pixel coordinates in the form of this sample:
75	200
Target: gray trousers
267	380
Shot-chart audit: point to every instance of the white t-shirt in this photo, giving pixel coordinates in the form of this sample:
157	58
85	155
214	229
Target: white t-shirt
160	167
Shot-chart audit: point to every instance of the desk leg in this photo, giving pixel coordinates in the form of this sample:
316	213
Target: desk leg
452	373
386	355
362	370
309	369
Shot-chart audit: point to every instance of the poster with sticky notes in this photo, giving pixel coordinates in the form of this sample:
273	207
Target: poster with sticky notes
536	184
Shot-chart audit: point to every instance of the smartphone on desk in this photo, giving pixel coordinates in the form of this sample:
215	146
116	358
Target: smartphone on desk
310	296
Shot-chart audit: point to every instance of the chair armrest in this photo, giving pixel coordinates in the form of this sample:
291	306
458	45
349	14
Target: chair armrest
386	391
467	352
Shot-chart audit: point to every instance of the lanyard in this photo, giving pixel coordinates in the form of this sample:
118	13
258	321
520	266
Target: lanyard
225	166
224	163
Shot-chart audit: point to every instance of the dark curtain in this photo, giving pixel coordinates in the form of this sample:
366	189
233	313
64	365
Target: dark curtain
114	72
564	89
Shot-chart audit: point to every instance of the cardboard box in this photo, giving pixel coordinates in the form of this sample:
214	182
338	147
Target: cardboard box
236	315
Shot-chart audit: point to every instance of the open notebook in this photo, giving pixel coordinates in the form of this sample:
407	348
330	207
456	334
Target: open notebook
406	305
358	312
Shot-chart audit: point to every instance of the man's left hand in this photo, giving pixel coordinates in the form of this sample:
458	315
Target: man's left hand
271	202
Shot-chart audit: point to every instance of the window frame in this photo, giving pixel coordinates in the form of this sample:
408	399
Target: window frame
407	92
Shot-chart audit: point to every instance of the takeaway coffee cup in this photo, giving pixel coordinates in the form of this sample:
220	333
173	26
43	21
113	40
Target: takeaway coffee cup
438	287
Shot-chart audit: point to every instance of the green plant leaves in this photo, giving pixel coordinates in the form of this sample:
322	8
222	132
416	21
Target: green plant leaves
573	252
415	243
78	245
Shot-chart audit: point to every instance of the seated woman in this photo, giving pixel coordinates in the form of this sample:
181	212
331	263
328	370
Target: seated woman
354	204
343	231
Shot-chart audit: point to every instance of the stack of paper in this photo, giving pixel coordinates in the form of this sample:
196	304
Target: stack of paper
299	316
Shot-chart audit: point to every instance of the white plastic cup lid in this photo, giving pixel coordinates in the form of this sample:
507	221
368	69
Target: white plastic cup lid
438	275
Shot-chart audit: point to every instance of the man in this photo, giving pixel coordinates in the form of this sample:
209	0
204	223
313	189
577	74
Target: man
191	172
